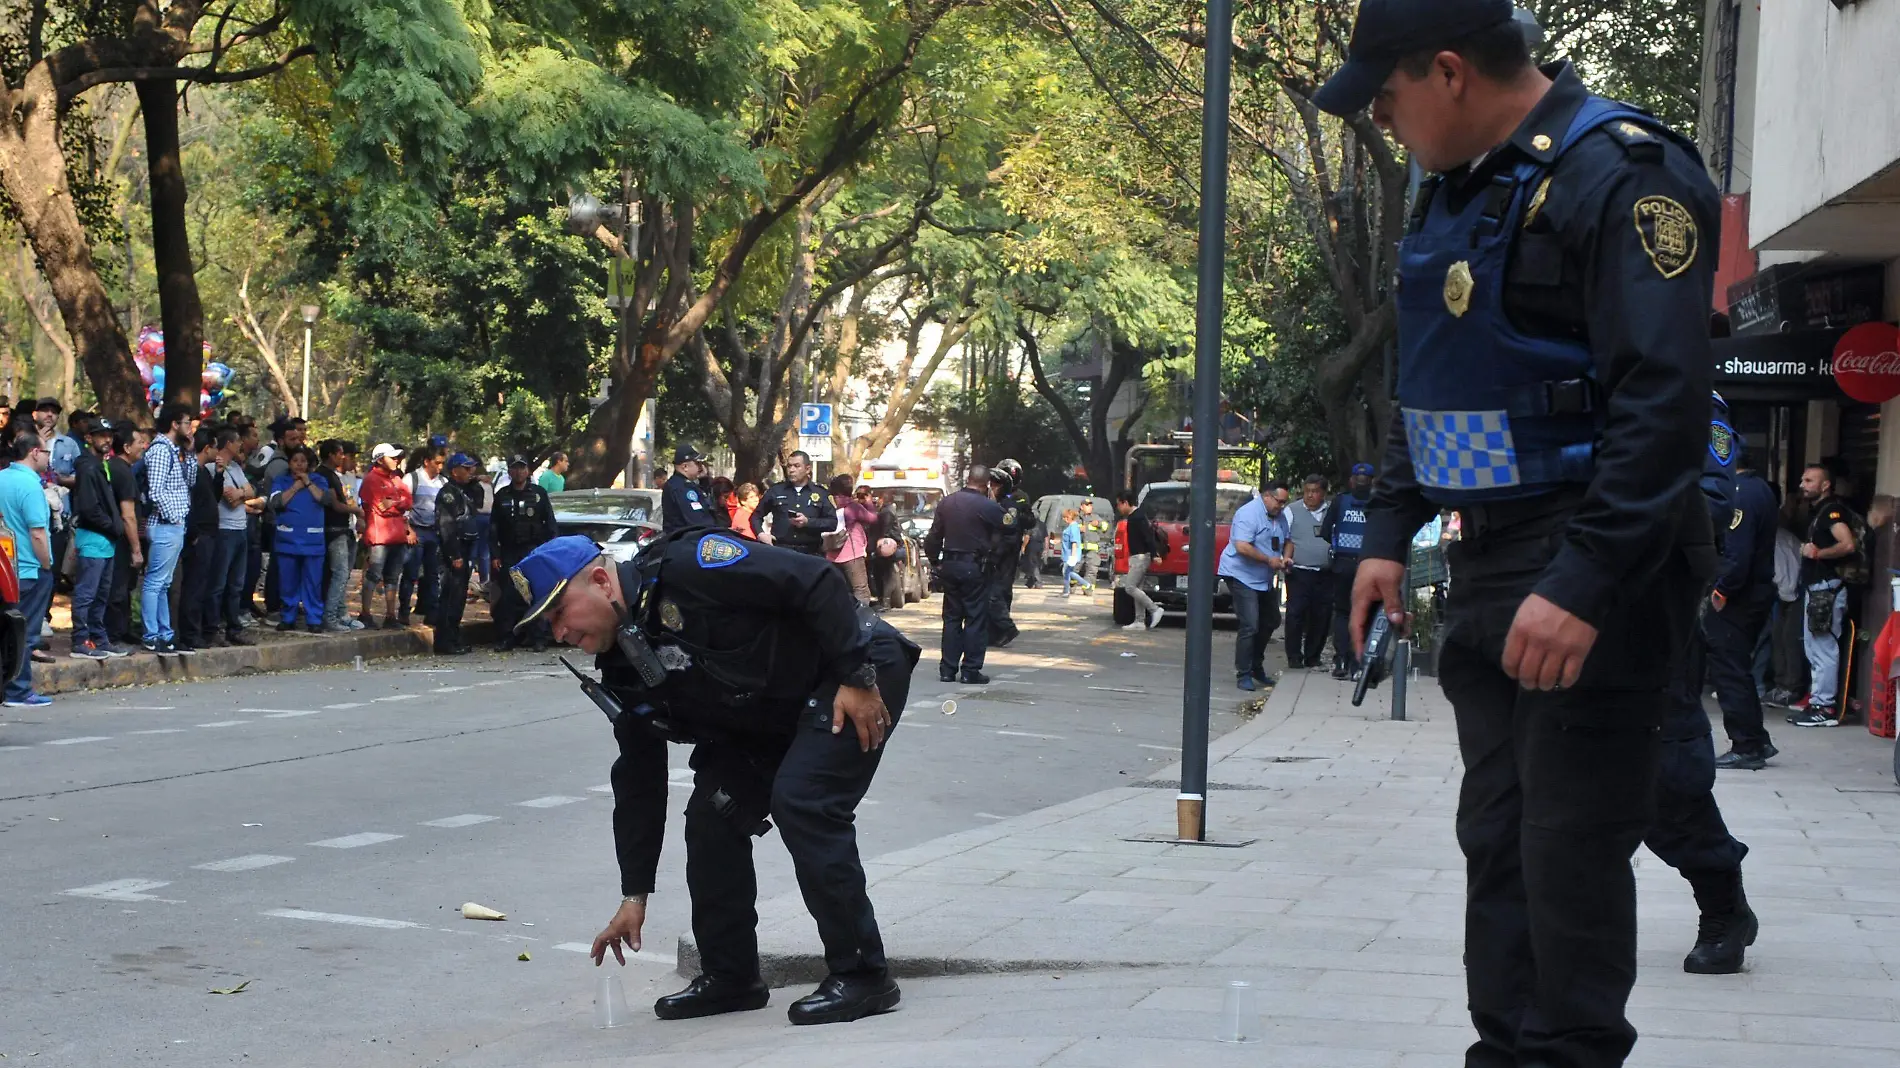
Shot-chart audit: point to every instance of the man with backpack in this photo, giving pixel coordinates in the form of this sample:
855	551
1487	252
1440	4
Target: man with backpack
1833	558
1145	545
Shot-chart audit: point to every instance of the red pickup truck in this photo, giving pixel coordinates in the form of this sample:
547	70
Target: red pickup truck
1166	503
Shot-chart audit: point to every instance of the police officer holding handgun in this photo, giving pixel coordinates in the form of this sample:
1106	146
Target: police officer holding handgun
1553	375
761	660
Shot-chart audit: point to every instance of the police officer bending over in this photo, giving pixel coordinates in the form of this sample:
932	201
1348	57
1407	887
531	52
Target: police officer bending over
1006	480
760	659
961	546
682	503
1553	373
795	514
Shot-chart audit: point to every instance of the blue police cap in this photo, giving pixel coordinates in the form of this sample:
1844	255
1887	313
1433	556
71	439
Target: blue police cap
1362	469
1386	31
541	576
462	459
438	441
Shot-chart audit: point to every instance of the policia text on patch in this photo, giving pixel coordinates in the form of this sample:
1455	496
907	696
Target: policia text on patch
761	660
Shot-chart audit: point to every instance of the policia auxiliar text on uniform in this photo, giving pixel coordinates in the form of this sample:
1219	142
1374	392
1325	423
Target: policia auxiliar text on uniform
761	660
1554	372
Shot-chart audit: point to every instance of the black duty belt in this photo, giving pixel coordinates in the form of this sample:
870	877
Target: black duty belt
1545	510
959	554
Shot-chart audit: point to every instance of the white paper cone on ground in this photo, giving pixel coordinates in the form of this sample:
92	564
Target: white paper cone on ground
472	911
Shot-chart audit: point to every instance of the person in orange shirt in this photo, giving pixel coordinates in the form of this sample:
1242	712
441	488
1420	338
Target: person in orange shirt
744	501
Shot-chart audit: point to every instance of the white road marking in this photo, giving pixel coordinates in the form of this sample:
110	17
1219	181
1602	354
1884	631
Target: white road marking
291	715
397	697
467	820
604	788
495	682
352	841
79	741
226	723
1163	748
344	705
163	730
654	956
23	748
1028	734
245	863
145	708
554	801
274	713
989	816
450	689
120	890
1116	689
337	917
428	671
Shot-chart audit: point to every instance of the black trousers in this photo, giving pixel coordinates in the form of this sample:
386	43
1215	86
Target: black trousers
1345	569
1309	615
450	604
197	618
810	788
1733	635
509	607
1689	833
119	601
966	610
1558	791
1031	564
1002	599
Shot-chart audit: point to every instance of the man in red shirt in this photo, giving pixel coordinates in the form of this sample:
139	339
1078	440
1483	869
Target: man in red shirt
385	500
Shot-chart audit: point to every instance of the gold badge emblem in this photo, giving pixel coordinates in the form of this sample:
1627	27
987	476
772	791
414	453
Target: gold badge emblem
1537	202
522	586
1541	142
1458	288
670	616
1631	130
1735	521
1668	233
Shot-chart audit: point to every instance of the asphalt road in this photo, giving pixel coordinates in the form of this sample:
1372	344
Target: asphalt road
314	835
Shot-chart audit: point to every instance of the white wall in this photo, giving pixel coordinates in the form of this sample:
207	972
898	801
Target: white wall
1828	106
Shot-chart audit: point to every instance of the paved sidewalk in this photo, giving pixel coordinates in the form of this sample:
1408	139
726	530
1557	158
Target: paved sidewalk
1060	942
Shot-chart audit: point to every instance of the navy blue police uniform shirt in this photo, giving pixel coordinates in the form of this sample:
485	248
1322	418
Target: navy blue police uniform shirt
718	591
1748	549
967	521
683	504
786	500
1581	268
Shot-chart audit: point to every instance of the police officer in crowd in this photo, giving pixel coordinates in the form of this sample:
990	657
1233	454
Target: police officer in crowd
1006	480
1309	591
1345	532
455	516
1553	375
762	661
961	544
522	522
1094	534
1739	608
683	503
795	514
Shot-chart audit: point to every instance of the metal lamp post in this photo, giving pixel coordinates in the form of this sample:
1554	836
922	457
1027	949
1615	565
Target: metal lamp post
309	324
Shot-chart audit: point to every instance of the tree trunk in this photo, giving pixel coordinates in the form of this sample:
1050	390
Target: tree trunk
33	172
179	308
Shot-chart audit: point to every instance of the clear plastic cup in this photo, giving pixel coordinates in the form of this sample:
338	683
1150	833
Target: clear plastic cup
1239	1014
610	1002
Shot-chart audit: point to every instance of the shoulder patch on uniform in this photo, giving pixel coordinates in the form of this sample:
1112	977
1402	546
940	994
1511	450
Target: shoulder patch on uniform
1009	518
1735	520
692	495
1638	141
1721	442
1668	233
719	550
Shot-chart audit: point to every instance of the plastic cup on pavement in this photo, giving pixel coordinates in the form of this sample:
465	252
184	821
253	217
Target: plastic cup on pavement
1240	1014
610	1002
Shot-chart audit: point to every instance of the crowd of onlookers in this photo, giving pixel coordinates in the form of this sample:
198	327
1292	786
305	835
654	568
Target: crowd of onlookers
190	533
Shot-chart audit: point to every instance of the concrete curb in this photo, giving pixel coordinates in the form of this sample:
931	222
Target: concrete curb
288	653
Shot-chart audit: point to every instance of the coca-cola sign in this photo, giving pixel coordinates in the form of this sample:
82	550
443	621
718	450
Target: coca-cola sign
1867	363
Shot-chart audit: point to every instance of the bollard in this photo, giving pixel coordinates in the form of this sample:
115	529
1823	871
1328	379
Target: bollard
1401	672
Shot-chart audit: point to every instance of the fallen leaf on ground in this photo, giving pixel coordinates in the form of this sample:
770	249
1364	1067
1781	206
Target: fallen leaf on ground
472	911
238	989
524	956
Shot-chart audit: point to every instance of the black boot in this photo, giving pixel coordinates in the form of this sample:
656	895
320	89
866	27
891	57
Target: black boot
1728	926
841	999
973	677
710	995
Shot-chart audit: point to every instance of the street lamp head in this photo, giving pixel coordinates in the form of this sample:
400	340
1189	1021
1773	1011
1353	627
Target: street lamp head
585	214
310	312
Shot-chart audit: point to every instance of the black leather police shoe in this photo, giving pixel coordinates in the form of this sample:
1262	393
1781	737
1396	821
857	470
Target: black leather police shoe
974	678
841	999
1720	943
946	676
1736	760
1008	636
710	995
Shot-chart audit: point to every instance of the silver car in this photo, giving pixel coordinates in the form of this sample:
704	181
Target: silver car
621	521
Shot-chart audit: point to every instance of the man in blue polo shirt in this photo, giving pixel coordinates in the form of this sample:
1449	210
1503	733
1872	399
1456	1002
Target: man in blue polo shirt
1251	564
24	508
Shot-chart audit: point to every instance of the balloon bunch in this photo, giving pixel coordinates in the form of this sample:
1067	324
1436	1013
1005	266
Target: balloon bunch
149	355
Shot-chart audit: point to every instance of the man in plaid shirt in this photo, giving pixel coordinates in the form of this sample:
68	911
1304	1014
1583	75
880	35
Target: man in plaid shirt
170	469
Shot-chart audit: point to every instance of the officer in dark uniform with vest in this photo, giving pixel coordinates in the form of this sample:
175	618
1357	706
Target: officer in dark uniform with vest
1553	371
683	503
1345	531
797	513
961	545
1688	832
762	661
522	521
1006	480
1744	598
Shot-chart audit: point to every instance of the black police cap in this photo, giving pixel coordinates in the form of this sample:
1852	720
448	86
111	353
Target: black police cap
1387	30
688	454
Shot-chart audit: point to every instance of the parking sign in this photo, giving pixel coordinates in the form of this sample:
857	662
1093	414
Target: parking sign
814	420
